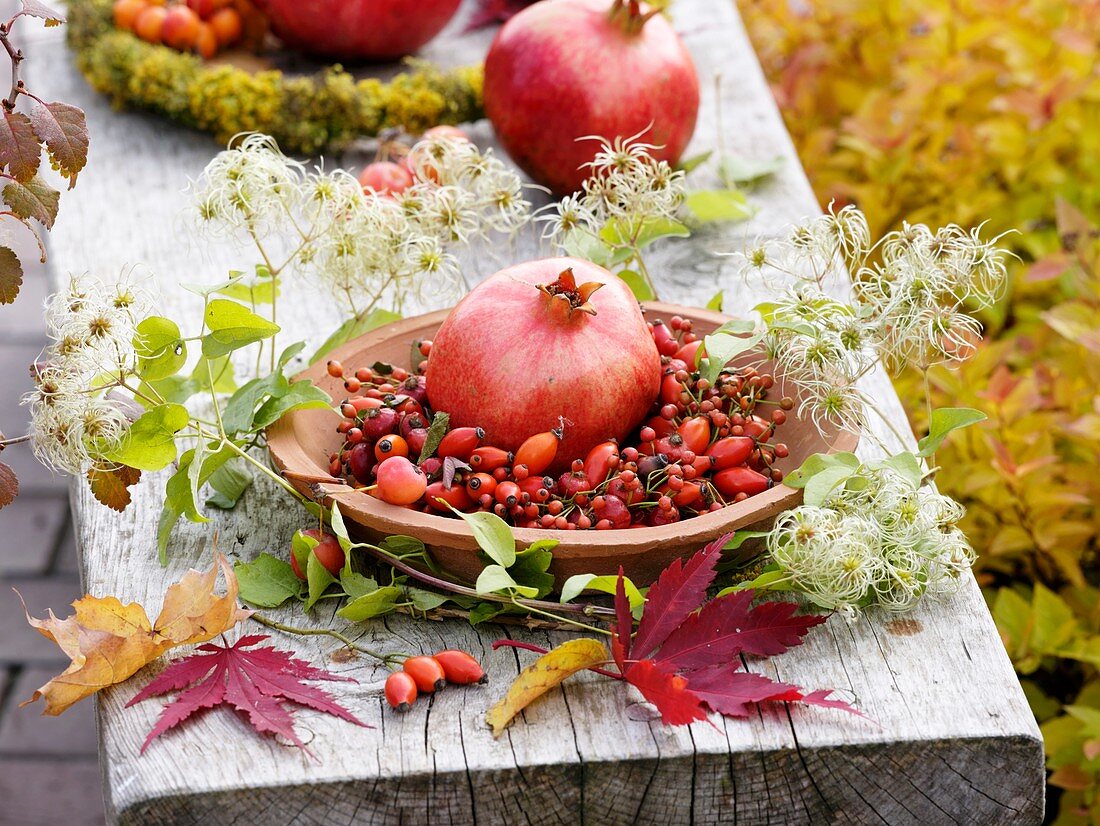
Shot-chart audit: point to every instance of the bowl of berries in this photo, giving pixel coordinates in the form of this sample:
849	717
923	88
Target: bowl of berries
550	397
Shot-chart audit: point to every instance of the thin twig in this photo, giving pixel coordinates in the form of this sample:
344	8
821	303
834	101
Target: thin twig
583	609
17	440
515	620
327	632
16	56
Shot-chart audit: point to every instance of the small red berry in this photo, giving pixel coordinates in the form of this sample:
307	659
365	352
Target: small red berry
400	482
461	668
400	690
426	672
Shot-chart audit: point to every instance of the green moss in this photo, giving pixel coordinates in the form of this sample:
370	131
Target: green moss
304	114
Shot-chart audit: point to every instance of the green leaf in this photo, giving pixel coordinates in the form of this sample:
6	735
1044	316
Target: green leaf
1053	622
820	485
33	198
374	604
240	409
486	611
907	464
356	585
771	578
174	389
318	579
401	545
221	368
160	348
531	566
638	285
689	164
257	292
493	536
714	205
494	579
300	396
229	482
617	233
340	529
818	462
288	355
575	585
582	244
233	326
150	443
741	537
716	300
180	499
267	582
724	345
436	432
734	170
301	546
207	290
944	421
354	327
424	600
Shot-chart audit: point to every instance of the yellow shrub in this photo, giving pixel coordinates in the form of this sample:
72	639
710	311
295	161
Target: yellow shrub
971	111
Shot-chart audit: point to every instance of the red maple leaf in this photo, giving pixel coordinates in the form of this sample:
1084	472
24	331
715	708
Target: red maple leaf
256	682
677	593
624	624
698	643
668	691
731	625
730	692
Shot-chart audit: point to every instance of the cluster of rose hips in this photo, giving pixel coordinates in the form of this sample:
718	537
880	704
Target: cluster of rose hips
201	26
425	675
703	447
395	169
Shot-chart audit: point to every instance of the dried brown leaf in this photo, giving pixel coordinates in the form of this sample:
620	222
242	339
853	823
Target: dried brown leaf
9	485
11	275
110	485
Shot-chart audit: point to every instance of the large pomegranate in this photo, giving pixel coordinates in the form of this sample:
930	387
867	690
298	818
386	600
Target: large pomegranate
561	70
541	342
358	29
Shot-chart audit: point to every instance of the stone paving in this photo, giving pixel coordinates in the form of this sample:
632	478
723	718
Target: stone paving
49	768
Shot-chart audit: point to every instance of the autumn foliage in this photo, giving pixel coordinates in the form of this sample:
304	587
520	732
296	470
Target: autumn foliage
687	656
109	641
983	110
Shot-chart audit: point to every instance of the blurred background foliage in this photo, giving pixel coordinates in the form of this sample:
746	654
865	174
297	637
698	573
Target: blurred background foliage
974	111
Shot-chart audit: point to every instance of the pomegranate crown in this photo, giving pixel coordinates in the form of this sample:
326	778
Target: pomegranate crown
566	297
629	15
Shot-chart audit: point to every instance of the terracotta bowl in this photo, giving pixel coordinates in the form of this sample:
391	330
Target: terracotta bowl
301	442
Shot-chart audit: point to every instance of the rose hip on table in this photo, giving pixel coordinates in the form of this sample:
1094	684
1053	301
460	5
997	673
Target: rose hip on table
427	674
700	447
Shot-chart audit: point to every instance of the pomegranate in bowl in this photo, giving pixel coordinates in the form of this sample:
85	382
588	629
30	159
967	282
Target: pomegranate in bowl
358	29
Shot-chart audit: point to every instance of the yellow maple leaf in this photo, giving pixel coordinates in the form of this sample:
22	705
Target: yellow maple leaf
108	642
543	674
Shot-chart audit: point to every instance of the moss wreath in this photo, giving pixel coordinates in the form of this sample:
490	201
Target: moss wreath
304	114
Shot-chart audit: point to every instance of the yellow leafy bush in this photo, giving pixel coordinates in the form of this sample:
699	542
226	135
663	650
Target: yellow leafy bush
971	111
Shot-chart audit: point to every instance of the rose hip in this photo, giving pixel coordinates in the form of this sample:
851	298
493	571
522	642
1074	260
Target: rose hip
461	668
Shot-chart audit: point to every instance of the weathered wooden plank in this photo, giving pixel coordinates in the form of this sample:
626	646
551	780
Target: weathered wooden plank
950	737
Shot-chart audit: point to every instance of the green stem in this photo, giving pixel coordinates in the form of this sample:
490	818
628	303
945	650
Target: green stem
283	483
388	659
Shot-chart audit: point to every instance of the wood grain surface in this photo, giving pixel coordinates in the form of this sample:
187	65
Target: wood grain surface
948	739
